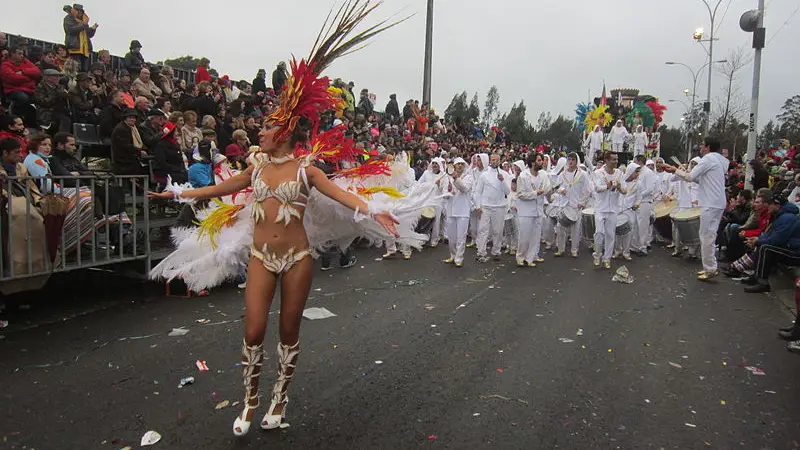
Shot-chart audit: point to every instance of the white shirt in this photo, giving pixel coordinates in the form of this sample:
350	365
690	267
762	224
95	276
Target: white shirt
710	178
491	192
607	200
595	140
686	192
648	185
632	198
460	203
618	134
574	189
640	140
531	190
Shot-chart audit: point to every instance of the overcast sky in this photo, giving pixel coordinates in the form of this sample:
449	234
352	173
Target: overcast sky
549	53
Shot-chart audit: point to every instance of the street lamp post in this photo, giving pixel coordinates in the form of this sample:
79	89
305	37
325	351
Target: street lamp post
426	80
694	73
698	36
753	22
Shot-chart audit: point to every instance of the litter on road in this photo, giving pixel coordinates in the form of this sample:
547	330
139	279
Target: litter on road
150	438
316	313
201	365
178	332
185	381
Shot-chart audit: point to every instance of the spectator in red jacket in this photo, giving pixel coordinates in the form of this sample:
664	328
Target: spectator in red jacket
19	77
202	71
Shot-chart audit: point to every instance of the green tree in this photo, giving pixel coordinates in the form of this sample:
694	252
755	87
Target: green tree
515	124
474	111
769	133
187	62
562	133
490	108
673	143
789	119
456	112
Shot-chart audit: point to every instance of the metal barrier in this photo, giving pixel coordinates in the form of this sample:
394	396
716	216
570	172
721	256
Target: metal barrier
116	61
105	213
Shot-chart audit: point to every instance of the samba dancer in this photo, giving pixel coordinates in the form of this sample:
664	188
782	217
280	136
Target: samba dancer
574	189
609	185
532	187
709	174
282	190
459	186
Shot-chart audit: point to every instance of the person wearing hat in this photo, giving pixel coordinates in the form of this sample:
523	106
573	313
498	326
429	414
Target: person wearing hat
127	146
260	82
152	128
134	61
168	158
78	34
279	76
82	100
392	109
52	113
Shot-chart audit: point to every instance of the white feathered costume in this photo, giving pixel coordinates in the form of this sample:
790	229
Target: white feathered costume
202	264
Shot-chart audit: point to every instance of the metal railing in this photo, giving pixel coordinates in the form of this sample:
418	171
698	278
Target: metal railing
116	61
100	225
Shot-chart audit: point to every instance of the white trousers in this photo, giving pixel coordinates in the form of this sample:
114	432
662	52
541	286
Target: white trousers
548	230
391	247
491	225
457	237
436	232
530	238
616	147
709	225
574	232
510	232
473	225
623	243
605	225
638	151
643	226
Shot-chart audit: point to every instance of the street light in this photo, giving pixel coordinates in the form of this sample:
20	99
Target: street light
698	36
426	77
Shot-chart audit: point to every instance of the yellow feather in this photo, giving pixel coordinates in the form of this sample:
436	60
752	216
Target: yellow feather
388	190
223	216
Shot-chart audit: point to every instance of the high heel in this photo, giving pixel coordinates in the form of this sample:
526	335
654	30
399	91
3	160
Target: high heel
252	358
287	360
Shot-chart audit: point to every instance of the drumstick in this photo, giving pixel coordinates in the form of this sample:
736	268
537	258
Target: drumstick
677	161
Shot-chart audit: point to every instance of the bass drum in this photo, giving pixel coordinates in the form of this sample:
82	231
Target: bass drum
688	224
623	225
425	224
569	216
663	223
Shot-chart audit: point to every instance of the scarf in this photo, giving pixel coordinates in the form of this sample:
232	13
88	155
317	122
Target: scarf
83	48
137	139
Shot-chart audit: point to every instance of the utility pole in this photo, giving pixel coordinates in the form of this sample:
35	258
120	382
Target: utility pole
426	80
712	14
753	22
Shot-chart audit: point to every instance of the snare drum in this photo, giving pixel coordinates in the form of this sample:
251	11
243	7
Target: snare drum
623	225
425	224
587	226
569	216
663	223
687	222
552	211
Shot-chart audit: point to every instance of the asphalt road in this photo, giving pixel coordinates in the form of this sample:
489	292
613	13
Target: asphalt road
419	355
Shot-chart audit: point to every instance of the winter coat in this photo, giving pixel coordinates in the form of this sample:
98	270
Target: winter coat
126	155
278	80
19	82
259	85
110	117
169	161
785	229
392	108
760	223
149	90
63	164
73	28
51	101
133	63
201	75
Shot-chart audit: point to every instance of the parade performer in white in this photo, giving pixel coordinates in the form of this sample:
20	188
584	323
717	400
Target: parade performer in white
629	205
648	186
618	135
609	185
640	141
686	195
532	186
594	141
437	177
404	180
491	189
574	189
549	225
459	187
709	174
480	163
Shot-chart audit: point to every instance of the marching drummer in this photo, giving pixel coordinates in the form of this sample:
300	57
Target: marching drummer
629	205
459	187
532	186
686	196
609	186
709	174
574	189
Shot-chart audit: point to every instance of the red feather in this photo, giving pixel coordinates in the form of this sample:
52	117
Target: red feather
658	111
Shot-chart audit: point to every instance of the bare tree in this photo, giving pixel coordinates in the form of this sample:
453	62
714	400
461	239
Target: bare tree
732	97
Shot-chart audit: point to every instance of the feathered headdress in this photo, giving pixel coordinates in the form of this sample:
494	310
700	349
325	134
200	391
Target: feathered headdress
306	93
598	116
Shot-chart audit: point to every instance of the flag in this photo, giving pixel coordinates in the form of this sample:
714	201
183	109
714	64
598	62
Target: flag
603	97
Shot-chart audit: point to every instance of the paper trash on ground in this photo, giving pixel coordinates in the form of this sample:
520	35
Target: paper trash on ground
150	438
622	275
178	332
317	313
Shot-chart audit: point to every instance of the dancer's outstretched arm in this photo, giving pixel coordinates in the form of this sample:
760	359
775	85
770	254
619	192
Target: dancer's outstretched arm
233	184
319	180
